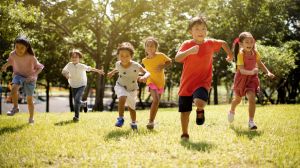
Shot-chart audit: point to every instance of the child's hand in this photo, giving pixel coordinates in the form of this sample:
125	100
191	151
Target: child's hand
3	69
142	79
229	58
100	71
110	74
160	67
255	71
194	49
270	75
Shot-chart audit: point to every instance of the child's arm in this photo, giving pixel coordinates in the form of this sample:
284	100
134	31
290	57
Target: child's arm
145	76
65	73
265	69
4	67
163	66
181	55
247	72
227	50
112	73
100	71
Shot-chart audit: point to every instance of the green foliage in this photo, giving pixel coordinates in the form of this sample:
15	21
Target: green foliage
280	61
55	141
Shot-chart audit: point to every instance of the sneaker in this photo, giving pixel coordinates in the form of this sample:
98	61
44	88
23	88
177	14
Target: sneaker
230	117
185	137
13	111
133	126
150	125
200	120
252	125
31	121
75	119
120	122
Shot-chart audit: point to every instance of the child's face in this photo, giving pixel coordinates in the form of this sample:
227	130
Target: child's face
124	56
150	48
20	49
199	32
75	58
248	43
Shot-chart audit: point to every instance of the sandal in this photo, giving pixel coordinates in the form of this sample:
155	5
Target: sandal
200	121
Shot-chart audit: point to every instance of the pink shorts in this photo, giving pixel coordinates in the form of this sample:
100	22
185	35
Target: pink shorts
154	87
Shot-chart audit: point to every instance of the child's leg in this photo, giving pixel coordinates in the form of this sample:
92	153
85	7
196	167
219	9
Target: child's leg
251	100
14	94
154	105
185	121
30	106
200	104
236	100
121	106
77	99
132	114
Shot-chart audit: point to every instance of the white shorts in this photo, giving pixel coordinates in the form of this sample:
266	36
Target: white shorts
131	96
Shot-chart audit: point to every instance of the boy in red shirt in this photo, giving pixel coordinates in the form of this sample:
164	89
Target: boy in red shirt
197	58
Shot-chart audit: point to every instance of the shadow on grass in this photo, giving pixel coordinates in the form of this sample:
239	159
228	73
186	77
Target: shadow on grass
63	123
117	134
11	129
245	132
197	146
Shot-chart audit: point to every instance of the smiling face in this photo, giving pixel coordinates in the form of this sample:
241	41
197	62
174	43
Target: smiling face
199	32
247	43
150	47
75	58
20	49
125	57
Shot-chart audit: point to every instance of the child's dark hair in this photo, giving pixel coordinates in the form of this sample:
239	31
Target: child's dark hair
236	45
77	52
126	46
196	20
151	39
24	41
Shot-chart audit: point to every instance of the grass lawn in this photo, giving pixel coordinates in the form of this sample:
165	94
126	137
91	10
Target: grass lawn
55	141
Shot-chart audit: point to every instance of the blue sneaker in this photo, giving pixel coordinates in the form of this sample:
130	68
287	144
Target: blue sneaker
134	126
120	122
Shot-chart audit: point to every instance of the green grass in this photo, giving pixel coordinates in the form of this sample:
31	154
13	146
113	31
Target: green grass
55	141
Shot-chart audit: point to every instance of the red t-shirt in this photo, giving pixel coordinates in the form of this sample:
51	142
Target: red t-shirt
197	68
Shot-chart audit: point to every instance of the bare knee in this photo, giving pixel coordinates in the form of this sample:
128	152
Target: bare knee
237	100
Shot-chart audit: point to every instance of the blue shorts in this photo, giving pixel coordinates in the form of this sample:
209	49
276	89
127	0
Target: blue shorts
186	102
27	86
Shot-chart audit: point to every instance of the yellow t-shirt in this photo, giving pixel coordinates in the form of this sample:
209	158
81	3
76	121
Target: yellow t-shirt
156	77
240	58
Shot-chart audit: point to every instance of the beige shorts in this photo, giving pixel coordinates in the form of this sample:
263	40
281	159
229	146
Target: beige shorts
131	96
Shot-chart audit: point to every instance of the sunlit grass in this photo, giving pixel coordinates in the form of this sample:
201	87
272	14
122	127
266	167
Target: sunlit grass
55	141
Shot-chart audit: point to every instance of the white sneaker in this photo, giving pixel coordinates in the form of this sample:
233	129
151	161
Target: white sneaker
150	125
230	117
252	125
13	111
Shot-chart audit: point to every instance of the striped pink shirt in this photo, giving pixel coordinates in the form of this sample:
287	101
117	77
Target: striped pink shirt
25	66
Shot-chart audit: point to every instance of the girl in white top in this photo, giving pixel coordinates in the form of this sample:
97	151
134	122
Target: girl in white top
126	85
75	72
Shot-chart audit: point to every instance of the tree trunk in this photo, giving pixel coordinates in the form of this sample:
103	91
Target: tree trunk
47	96
0	99
100	87
215	86
71	99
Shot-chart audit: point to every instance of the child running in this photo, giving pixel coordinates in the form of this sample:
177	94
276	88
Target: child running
197	58
246	80
26	68
75	72
126	85
155	62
